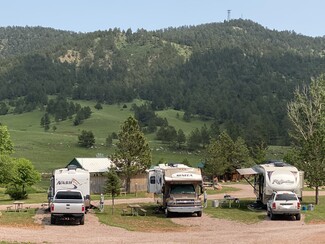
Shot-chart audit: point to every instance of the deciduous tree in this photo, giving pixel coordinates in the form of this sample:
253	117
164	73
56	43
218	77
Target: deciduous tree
23	175
307	114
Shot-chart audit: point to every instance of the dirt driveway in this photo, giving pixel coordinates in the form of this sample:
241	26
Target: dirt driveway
200	230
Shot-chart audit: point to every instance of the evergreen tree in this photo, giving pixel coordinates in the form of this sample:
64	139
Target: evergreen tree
98	106
113	185
225	155
45	122
194	140
86	139
132	155
6	146
181	138
3	108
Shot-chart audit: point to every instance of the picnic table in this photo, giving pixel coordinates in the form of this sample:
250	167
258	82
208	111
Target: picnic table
136	208
229	200
18	206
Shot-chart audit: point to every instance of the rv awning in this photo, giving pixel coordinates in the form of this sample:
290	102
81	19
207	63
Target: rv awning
247	171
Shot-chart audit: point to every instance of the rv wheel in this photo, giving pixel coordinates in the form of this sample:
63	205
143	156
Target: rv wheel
199	214
272	216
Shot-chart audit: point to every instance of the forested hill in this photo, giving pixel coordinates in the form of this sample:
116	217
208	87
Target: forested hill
237	73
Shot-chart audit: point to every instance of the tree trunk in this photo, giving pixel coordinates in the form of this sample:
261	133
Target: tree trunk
128	184
316	195
112	204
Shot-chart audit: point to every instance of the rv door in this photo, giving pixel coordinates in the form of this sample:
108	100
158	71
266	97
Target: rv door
155	181
151	188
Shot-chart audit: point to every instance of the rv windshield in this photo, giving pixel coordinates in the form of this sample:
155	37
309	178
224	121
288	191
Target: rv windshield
182	189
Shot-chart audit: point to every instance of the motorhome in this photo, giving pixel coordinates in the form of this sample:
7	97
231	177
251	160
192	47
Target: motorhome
274	176
178	186
71	178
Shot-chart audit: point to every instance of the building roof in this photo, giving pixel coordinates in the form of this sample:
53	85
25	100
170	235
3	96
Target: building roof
93	165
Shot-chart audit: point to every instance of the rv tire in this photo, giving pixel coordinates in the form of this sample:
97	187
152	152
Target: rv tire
272	216
167	213
199	214
298	216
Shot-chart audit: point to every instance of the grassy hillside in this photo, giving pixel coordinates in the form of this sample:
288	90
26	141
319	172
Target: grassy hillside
53	149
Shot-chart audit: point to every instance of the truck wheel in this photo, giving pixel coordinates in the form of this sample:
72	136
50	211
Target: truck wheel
53	220
82	220
167	213
298	216
199	214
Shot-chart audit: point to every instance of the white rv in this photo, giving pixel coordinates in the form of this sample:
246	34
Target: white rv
274	176
71	178
179	187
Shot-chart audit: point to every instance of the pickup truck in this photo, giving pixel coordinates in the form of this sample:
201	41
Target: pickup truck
284	203
68	205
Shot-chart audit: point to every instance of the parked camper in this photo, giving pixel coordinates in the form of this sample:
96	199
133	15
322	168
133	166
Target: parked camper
274	176
179	187
71	178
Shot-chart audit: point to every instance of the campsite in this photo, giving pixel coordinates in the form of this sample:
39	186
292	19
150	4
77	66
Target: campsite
215	226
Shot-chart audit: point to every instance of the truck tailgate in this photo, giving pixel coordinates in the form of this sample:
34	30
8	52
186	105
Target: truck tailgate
63	206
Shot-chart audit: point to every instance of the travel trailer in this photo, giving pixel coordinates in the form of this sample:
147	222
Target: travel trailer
274	176
178	186
71	178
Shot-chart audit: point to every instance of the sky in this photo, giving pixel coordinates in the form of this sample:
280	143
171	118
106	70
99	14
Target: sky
303	17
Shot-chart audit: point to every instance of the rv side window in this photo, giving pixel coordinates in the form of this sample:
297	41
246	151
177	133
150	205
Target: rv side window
152	179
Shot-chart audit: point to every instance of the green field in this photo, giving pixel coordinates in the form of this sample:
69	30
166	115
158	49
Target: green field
54	149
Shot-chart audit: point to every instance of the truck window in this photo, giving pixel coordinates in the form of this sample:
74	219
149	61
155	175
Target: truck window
286	197
182	189
68	195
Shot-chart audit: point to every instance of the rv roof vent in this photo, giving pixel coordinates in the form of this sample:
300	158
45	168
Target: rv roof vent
280	164
72	167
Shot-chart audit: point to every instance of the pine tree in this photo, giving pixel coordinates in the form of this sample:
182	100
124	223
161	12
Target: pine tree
112	185
133	155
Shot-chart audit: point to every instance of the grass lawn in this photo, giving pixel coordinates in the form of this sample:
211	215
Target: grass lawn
18	219
241	214
318	214
152	222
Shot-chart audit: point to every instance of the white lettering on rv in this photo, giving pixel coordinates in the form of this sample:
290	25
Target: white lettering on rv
280	182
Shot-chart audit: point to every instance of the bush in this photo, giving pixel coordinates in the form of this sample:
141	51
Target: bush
16	194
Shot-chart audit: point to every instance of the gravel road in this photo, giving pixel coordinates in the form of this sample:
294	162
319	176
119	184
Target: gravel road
199	230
